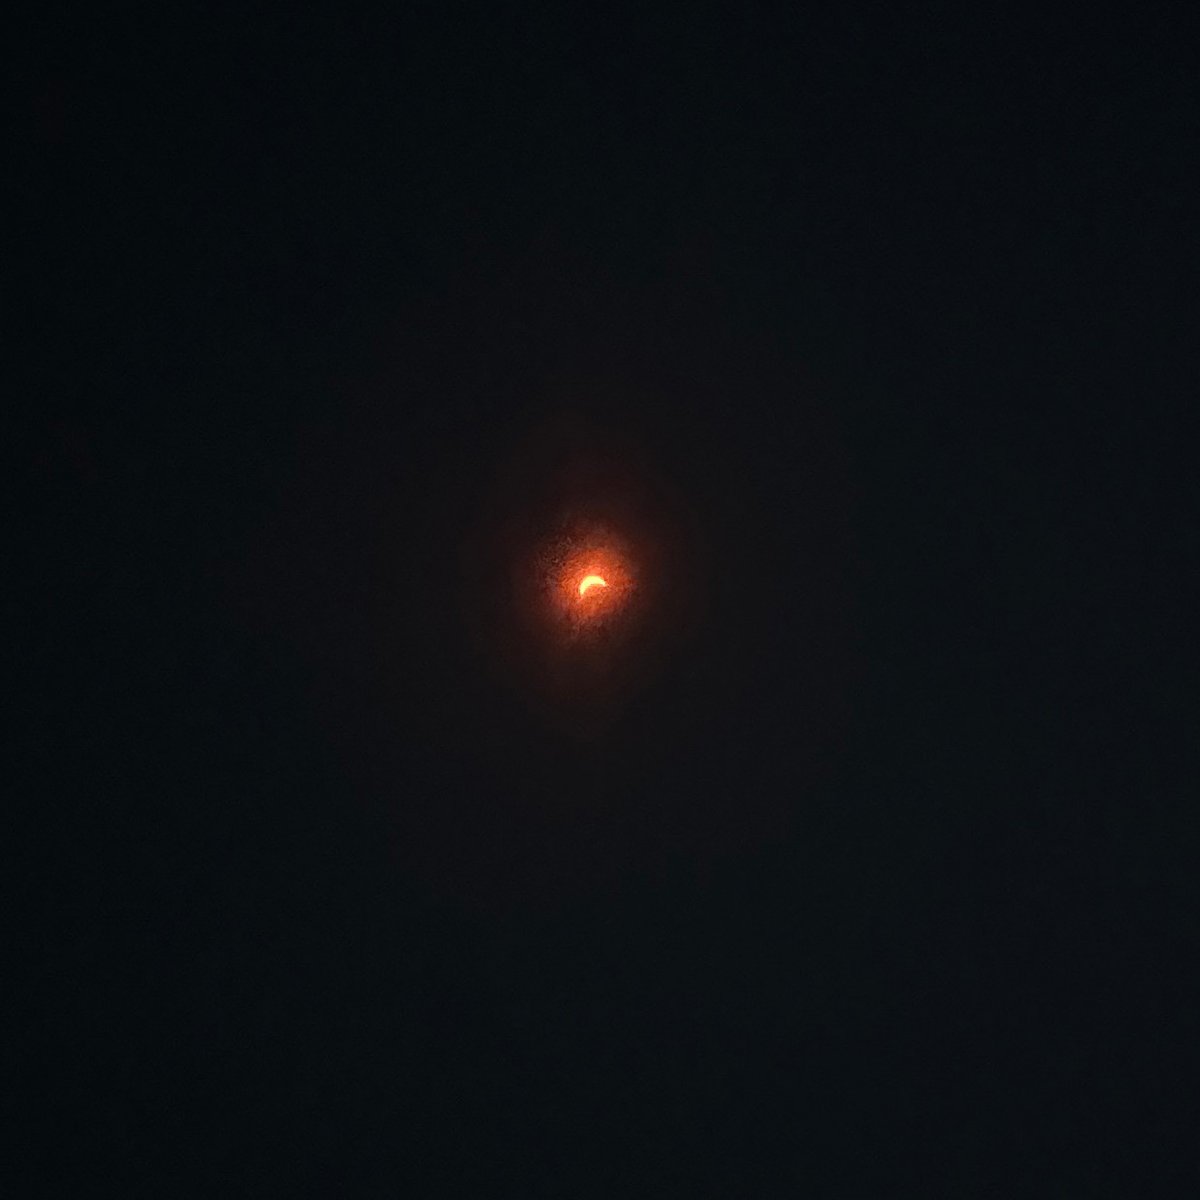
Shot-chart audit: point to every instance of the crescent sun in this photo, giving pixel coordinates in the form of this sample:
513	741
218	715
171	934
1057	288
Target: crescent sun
591	581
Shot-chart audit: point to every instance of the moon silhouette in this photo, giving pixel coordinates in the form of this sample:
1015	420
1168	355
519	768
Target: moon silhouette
591	581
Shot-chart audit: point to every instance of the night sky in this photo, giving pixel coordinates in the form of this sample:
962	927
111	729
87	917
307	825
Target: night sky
862	863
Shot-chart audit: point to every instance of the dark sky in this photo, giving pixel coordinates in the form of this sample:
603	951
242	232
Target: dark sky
876	877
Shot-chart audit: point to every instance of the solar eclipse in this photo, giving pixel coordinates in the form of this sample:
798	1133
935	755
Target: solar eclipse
584	571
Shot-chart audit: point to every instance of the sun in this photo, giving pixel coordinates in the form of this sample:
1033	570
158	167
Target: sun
588	579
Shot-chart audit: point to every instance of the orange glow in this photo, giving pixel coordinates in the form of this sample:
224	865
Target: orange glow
588	579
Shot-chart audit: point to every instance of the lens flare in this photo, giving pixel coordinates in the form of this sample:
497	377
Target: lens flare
591	581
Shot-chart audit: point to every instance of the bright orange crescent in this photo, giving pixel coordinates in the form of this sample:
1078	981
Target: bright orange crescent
591	581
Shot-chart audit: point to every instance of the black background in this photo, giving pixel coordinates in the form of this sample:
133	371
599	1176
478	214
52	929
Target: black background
881	882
